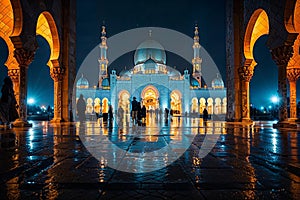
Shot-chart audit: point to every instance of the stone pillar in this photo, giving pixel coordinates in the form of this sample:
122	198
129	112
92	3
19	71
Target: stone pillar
14	75
246	73
281	55
24	57
57	75
293	74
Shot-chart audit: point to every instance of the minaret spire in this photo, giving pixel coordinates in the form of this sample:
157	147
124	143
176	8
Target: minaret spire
103	61
197	61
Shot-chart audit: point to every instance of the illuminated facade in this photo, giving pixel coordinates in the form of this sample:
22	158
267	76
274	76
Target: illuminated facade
153	83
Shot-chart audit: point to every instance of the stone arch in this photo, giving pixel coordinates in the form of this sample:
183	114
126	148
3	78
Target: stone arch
150	97
290	13
11	23
150	87
258	26
46	28
292	25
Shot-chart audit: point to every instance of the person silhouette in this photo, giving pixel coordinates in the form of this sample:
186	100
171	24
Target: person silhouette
81	106
205	116
134	110
110	115
8	103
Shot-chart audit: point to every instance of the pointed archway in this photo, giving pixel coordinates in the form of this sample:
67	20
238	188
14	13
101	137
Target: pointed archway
175	103
292	24
258	26
150	97
11	25
46	28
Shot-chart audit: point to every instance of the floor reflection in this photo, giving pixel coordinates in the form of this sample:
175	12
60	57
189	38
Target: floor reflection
253	160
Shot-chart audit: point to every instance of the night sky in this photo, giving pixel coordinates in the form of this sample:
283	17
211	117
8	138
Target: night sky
173	14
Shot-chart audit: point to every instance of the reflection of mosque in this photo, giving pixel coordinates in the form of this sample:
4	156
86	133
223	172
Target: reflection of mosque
156	85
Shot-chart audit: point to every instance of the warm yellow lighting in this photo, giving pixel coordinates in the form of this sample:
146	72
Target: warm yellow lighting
10	25
47	29
258	26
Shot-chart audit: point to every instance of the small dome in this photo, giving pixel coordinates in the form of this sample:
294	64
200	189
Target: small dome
217	83
82	83
194	82
150	49
173	72
105	83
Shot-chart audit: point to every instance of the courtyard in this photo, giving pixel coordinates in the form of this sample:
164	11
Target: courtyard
246	162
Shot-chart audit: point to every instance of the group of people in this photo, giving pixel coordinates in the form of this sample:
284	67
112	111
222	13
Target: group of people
138	113
81	108
8	103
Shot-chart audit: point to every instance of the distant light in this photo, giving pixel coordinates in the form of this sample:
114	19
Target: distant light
262	108
275	99
270	107
30	101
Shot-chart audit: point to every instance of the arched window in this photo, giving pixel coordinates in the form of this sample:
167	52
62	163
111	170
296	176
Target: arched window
217	109
89	106
210	104
202	105
194	108
97	106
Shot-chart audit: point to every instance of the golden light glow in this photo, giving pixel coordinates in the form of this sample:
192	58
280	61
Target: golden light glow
7	28
258	26
293	26
124	102
176	102
105	105
150	97
47	29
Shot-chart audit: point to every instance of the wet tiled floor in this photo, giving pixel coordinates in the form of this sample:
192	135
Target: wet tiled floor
73	161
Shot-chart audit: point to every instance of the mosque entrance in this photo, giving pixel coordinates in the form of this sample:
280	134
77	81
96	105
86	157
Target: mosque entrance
150	97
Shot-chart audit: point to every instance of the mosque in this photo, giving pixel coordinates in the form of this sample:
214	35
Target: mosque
153	83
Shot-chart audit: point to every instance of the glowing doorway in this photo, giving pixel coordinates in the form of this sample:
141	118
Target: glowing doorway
150	97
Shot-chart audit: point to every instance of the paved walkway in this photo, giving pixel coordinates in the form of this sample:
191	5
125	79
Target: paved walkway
52	161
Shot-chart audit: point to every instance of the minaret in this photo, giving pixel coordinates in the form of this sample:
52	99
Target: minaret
103	62
197	60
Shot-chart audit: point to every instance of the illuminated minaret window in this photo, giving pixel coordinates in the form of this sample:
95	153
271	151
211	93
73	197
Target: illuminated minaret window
197	60
103	62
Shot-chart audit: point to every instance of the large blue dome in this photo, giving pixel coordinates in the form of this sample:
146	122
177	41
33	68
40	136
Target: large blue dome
150	49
